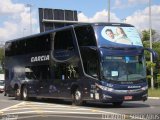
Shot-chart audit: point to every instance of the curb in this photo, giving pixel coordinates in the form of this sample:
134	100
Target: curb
156	98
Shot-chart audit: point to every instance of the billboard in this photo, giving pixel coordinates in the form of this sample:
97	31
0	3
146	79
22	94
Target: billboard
47	17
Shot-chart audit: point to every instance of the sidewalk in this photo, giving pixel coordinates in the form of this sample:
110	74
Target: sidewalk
156	98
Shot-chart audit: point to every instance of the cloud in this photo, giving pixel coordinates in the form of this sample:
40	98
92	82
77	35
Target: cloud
131	2
7	7
128	3
9	29
141	18
101	16
118	3
17	20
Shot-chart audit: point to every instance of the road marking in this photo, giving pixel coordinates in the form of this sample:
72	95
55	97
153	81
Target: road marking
36	107
57	112
12	106
156	98
64	116
48	109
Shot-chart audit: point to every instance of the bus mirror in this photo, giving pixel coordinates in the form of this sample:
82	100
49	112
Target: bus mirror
154	54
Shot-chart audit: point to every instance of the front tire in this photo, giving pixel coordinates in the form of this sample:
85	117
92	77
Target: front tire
77	98
25	93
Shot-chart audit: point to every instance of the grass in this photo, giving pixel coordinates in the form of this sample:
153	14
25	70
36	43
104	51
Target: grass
154	92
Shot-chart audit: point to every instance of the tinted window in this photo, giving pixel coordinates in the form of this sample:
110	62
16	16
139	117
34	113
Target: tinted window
63	45
20	47
90	61
37	72
85	36
28	45
10	48
66	71
63	40
38	44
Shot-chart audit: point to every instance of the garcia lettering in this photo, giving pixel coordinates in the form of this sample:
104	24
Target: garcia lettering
40	58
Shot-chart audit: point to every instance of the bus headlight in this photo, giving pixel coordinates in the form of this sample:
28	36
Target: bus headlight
106	88
144	88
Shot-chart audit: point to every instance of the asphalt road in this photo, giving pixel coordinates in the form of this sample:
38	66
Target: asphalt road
63	110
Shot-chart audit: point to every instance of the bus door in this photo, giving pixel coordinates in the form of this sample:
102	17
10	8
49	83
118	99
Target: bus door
64	59
61	83
65	75
43	87
44	80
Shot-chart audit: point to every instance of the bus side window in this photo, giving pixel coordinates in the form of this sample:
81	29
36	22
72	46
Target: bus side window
66	72
85	36
63	40
92	68
72	71
90	62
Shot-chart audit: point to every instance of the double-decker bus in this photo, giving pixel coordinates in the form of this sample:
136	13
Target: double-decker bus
102	62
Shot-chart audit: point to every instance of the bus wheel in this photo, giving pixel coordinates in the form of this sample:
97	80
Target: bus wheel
25	93
77	97
117	104
17	94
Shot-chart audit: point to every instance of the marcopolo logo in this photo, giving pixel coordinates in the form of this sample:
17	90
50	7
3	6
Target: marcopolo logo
134	86
40	58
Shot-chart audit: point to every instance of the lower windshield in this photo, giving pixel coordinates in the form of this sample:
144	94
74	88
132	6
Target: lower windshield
123	68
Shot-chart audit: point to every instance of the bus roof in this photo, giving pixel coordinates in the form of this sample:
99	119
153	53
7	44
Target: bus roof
72	26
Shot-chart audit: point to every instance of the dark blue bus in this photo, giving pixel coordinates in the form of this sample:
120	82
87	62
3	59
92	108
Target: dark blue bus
102	62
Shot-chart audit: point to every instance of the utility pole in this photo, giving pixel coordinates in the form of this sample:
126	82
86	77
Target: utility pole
108	10
150	32
30	10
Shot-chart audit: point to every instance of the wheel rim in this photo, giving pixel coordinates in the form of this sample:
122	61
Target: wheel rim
17	92
24	93
77	95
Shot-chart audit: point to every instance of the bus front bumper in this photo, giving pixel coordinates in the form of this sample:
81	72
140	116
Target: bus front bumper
120	96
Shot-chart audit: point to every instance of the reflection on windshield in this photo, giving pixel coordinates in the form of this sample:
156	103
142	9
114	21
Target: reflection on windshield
123	68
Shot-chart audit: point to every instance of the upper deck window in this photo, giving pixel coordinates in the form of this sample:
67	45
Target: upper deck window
117	36
63	40
85	36
64	45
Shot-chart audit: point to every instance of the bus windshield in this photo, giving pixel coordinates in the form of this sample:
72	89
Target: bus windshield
117	36
123	68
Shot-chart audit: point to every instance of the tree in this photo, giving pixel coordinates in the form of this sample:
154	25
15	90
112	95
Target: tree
146	35
156	47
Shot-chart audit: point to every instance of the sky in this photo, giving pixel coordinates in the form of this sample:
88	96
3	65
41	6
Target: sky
15	14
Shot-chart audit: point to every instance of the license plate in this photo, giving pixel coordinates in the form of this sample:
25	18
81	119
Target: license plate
127	97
